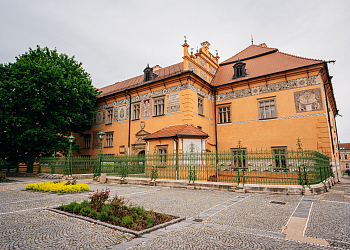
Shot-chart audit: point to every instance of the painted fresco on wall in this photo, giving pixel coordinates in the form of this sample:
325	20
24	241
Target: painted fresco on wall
96	140
100	117
173	102
146	109
115	114
308	100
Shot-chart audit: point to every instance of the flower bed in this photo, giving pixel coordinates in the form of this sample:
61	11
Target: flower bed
116	212
58	187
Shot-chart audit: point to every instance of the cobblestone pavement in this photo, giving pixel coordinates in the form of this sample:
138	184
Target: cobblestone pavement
236	221
181	202
331	221
206	237
339	192
256	212
49	230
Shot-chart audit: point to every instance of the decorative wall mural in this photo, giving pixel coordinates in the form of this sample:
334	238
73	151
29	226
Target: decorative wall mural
96	140
123	113
173	103
115	114
308	100
100	117
146	109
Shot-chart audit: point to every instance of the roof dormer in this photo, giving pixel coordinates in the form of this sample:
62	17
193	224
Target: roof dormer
239	70
148	73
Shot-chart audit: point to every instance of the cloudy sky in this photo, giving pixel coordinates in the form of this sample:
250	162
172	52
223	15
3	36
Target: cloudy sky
116	39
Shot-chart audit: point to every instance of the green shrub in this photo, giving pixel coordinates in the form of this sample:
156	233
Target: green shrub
77	208
149	222
70	206
93	213
107	209
102	216
126	221
116	219
85	204
85	211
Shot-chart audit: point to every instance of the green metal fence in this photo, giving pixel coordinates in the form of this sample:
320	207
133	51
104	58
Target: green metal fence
277	166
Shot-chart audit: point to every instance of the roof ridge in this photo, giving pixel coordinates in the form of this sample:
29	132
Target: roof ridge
141	75
300	56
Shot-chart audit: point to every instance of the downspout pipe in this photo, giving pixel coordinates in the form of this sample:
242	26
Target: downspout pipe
127	92
216	125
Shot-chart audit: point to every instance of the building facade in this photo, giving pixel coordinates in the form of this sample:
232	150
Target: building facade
261	97
344	149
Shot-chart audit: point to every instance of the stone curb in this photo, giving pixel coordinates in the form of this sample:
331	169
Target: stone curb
122	229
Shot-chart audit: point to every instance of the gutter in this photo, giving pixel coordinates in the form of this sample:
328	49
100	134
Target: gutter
216	125
127	92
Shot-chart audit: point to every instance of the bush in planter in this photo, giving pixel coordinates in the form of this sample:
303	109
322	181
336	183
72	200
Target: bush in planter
93	213
126	221
102	216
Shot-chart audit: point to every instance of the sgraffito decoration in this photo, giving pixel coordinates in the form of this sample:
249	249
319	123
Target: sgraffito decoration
100	117
308	100
173	102
95	140
146	109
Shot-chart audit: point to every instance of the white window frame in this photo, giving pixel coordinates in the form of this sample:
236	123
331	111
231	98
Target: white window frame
136	111
224	114
346	165
109	140
109	116
267	109
345	157
159	106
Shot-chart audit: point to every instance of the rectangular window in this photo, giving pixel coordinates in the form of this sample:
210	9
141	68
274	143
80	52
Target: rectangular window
280	156
238	158
345	157
162	154
224	114
347	165
87	141
109	140
109	116
158	107
200	105
122	149
267	109
136	111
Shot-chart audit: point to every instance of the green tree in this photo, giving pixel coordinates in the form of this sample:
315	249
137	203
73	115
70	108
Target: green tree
44	97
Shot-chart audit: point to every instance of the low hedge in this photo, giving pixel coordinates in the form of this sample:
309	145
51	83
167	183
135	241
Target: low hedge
57	187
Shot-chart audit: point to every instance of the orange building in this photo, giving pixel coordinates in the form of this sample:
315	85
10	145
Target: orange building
261	97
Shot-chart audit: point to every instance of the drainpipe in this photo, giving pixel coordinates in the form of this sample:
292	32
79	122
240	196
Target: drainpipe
127	92
216	126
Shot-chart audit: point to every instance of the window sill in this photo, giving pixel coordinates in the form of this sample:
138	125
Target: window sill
158	115
201	115
268	118
108	147
224	122
135	119
108	123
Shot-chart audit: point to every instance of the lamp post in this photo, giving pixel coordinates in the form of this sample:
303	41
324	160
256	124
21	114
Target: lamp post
100	134
68	169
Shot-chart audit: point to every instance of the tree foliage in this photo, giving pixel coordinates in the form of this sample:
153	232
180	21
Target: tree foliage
44	97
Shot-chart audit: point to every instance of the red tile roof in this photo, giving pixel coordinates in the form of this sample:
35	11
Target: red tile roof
138	80
344	146
176	131
265	61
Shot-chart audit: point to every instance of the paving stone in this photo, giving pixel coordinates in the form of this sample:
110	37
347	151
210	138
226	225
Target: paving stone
256	212
331	221
206	237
